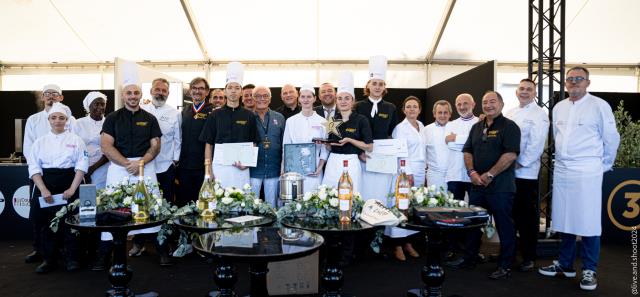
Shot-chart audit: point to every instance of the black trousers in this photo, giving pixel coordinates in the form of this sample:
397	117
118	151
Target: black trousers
57	181
458	189
526	217
189	183
167	181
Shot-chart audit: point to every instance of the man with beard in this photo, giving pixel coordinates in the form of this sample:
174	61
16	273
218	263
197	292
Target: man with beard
289	96
247	97
194	117
328	99
37	126
218	99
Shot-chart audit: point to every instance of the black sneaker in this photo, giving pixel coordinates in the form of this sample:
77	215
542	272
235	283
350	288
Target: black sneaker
556	269
45	267
460	263
500	273
526	266
72	266
33	257
589	281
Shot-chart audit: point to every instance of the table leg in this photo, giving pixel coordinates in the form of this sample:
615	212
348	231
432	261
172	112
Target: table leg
120	274
224	275
258	279
432	273
332	276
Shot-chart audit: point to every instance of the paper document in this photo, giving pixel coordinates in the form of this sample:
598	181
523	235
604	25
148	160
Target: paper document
382	163
57	200
243	219
230	153
395	147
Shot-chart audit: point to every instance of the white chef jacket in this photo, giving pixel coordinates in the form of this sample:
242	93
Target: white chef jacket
302	129
437	154
170	121
456	171
415	164
38	125
89	131
586	142
534	128
64	150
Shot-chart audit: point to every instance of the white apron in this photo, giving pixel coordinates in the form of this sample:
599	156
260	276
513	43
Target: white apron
231	176
99	177
378	184
115	175
439	179
334	167
311	183
577	197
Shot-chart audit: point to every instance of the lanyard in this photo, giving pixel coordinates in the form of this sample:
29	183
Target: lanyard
197	110
264	127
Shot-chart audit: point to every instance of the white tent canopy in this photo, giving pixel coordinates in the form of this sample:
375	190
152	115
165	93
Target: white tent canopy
74	42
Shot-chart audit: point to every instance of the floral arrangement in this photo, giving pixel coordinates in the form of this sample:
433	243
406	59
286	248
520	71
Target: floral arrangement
434	197
120	196
321	204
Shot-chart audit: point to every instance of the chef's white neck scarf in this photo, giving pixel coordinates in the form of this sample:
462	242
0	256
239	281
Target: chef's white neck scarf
374	109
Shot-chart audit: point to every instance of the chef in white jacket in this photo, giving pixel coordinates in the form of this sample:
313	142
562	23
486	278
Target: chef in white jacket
586	142
437	151
88	128
534	127
457	132
302	128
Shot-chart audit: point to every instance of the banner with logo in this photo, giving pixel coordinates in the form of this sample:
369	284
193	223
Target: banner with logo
620	204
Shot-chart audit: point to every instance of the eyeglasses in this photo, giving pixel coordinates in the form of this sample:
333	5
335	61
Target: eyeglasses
198	89
575	80
51	94
261	96
218	97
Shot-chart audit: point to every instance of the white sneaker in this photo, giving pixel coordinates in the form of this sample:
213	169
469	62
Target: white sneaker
589	281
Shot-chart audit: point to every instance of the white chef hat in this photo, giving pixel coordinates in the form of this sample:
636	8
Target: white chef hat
308	87
59	107
52	87
345	84
235	73
378	67
92	96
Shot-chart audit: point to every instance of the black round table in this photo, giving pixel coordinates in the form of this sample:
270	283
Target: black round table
120	274
334	233
432	273
258	246
195	223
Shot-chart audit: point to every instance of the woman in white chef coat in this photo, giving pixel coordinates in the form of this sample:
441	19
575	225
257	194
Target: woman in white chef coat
355	137
58	162
302	128
88	128
409	130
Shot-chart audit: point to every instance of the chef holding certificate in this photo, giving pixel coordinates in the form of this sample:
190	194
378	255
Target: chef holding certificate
230	124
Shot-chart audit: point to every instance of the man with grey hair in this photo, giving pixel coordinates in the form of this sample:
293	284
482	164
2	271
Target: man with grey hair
270	126
456	134
290	106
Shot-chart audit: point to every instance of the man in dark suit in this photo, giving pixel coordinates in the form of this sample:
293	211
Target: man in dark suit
328	99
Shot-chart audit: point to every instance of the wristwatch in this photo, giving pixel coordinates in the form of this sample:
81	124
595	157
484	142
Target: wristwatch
491	176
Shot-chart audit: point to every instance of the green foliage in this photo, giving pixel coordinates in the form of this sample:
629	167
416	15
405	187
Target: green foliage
321	204
629	150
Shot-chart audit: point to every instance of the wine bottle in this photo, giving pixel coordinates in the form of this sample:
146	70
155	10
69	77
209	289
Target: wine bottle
345	194
206	197
403	185
141	198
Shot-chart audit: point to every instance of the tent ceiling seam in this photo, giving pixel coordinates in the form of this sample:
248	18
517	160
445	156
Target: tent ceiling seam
440	30
186	6
73	30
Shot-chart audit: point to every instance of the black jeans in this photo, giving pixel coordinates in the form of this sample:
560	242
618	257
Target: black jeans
167	181
189	183
525	216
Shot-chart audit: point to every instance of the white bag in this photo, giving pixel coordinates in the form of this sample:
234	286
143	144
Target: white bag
376	214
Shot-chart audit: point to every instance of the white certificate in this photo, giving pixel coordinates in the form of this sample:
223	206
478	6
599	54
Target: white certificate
230	153
57	200
243	219
382	163
395	147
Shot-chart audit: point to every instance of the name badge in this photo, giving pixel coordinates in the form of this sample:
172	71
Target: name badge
241	122
142	124
350	130
200	116
492	133
266	143
383	115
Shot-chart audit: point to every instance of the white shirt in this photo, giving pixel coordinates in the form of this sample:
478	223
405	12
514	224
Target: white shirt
302	129
170	121
415	145
38	125
585	129
325	110
534	128
456	171
64	150
89	130
436	148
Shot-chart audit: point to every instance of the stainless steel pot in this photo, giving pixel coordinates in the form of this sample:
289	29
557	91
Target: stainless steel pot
291	187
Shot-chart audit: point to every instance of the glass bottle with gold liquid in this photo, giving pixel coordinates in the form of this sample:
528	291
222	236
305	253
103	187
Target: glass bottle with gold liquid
141	198
403	186
345	193
206	197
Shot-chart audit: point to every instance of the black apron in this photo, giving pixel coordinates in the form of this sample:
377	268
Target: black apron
57	180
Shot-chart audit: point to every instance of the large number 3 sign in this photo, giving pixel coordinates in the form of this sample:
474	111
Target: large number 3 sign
627	217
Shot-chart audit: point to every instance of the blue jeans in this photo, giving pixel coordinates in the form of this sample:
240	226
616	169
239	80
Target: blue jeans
499	205
589	251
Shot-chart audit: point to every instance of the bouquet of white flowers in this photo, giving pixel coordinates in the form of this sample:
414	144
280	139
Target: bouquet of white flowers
434	197
321	204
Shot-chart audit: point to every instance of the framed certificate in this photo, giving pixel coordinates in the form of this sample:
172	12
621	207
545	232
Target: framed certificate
300	158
